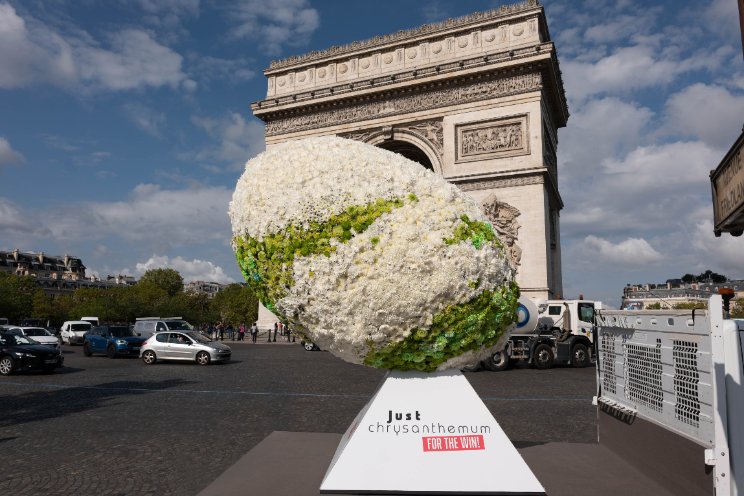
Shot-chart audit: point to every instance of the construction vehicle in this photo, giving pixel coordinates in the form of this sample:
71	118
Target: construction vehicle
548	332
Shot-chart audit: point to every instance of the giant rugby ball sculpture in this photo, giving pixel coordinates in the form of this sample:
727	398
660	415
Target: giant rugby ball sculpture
371	256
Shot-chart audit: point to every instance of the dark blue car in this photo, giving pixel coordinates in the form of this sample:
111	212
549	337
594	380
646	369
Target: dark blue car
112	339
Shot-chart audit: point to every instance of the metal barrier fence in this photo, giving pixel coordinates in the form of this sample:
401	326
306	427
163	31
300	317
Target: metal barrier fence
657	365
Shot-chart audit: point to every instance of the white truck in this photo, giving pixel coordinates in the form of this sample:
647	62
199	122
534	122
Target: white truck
548	332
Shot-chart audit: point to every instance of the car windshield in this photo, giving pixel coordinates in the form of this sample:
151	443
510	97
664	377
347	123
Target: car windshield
199	338
80	327
120	332
11	340
178	325
37	332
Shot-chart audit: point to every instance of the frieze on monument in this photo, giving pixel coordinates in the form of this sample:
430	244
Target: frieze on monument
426	99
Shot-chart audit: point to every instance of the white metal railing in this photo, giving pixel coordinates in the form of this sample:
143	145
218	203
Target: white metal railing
657	365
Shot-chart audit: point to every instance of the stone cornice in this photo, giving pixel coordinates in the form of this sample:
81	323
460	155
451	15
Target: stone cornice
506	181
385	105
512	179
403	35
262	107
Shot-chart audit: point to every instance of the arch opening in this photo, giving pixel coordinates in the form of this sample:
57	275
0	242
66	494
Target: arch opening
409	151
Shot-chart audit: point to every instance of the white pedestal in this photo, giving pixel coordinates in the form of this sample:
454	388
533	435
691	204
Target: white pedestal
427	434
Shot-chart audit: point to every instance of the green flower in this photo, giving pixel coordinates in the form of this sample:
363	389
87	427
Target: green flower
458	329
267	265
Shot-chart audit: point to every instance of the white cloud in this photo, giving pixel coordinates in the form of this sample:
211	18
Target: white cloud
710	113
145	118
30	56
630	252
599	129
723	254
625	70
153	218
190	270
653	189
721	16
8	156
238	139
621	27
134	60
274	23
207	69
18	225
34	53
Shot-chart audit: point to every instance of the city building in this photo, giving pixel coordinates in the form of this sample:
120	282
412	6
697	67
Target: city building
54	274
675	292
202	287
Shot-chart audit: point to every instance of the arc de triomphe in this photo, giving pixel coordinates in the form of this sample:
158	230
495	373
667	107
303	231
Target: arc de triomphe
477	99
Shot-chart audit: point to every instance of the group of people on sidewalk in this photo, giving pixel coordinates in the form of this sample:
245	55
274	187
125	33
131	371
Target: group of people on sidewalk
220	330
283	330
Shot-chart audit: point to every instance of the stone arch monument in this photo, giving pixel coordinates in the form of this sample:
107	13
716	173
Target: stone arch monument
477	99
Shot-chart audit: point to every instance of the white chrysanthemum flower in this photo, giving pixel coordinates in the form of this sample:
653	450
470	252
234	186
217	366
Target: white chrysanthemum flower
372	256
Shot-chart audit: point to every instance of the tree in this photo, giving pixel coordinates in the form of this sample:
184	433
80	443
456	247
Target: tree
16	296
167	279
236	304
688	278
691	305
711	276
737	310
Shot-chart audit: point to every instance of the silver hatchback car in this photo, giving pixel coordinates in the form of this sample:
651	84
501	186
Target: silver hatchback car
183	345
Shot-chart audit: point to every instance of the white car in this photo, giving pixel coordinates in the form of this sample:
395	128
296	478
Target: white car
73	331
184	345
38	334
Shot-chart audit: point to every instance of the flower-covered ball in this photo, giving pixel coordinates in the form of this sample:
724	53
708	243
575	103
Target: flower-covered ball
371	256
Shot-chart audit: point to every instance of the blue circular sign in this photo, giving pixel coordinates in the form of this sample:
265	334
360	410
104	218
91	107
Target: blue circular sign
523	316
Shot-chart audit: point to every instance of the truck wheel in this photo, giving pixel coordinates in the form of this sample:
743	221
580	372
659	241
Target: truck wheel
580	356
497	362
543	357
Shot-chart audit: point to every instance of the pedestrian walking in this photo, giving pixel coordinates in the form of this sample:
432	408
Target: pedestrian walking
276	329
221	330
254	332
241	332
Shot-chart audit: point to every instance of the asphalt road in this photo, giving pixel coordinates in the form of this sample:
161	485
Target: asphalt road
118	427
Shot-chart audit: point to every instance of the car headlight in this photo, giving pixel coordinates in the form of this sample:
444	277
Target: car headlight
121	341
21	355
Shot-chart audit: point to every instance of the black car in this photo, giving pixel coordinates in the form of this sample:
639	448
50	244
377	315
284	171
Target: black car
20	353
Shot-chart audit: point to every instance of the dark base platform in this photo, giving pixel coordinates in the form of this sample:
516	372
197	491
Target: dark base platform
294	463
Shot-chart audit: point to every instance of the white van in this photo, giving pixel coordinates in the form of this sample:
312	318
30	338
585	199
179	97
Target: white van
73	331
93	320
147	326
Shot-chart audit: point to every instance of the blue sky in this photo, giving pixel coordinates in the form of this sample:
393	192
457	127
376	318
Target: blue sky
124	126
